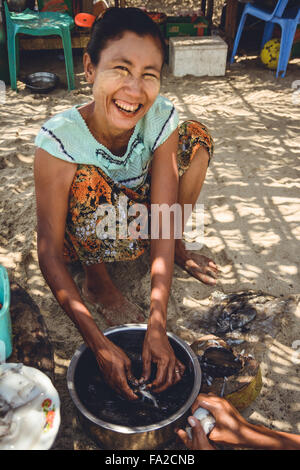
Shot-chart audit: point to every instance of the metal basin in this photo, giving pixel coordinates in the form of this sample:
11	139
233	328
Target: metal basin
118	437
41	82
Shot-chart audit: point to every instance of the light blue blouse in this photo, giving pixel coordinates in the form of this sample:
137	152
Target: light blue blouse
66	136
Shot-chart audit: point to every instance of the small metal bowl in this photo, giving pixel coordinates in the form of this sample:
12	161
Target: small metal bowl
41	82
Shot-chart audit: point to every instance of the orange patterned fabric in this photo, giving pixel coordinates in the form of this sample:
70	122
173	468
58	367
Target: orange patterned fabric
192	136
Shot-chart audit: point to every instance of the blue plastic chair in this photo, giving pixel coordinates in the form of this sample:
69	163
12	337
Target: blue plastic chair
287	20
38	24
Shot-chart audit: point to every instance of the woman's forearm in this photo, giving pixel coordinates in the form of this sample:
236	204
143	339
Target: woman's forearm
162	263
65	291
164	216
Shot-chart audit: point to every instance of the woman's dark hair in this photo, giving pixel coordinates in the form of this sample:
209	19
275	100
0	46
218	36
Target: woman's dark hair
115	22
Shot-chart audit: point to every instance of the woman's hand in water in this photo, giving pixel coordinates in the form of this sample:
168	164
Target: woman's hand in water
116	368
157	349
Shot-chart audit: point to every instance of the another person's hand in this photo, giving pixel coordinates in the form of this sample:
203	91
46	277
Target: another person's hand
232	429
199	440
157	349
230	426
116	368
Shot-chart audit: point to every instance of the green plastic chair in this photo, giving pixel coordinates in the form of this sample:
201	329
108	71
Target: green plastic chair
38	24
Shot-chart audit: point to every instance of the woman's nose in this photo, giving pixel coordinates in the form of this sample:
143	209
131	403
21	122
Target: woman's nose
134	85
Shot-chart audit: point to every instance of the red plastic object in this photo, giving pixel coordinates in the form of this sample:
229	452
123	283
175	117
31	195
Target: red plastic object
85	20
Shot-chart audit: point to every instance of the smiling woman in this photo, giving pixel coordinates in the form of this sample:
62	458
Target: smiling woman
125	143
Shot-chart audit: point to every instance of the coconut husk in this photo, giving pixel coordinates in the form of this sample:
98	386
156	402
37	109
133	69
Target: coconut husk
243	384
31	345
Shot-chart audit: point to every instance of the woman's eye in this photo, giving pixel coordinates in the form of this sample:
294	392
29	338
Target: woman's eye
124	70
150	76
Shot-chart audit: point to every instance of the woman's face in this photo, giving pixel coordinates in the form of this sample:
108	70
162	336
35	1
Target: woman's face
126	80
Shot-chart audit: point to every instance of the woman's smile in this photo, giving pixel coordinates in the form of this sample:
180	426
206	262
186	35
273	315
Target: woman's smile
128	108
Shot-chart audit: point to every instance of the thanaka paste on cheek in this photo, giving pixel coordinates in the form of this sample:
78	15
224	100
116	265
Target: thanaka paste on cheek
107	78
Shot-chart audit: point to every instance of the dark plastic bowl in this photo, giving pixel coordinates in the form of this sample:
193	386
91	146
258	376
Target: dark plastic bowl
41	82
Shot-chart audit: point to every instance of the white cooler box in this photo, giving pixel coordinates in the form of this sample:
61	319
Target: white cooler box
199	56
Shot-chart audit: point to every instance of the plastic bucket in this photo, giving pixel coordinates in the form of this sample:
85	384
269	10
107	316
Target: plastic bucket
5	321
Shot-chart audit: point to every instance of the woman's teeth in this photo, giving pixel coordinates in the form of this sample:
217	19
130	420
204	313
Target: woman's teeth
129	108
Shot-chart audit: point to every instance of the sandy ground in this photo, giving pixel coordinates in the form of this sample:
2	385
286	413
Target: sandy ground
252	207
